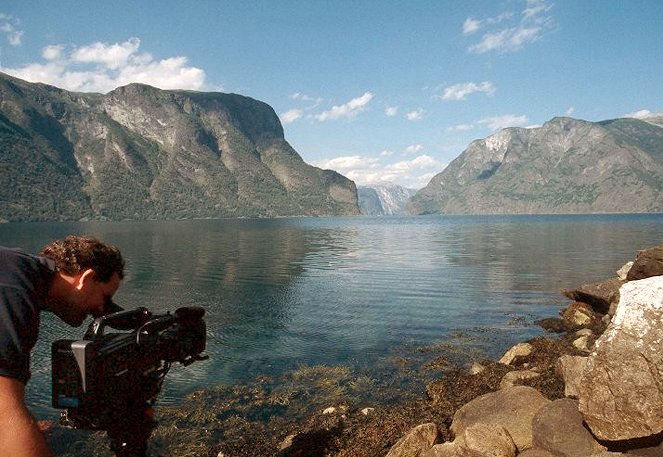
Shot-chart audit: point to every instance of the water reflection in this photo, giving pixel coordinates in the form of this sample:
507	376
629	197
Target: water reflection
283	293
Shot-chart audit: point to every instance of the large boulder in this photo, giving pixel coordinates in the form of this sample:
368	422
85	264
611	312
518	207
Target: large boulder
512	408
648	263
558	428
601	296
621	393
416	442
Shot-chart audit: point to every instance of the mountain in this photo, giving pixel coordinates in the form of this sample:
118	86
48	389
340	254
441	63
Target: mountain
385	200
565	166
143	153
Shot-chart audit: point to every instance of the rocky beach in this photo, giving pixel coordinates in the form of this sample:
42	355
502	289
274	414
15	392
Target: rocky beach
591	386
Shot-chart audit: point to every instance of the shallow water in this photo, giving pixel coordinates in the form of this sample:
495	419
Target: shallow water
285	293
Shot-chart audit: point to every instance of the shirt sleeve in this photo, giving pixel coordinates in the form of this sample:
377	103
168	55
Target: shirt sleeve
19	326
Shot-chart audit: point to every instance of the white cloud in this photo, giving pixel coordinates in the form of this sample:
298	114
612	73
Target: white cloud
529	27
112	56
101	67
413	148
9	26
461	91
415	115
347	110
391	111
461	128
643	114
366	171
470	26
501	122
291	116
570	111
53	52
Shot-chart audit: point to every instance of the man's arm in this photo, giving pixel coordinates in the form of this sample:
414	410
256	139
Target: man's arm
19	434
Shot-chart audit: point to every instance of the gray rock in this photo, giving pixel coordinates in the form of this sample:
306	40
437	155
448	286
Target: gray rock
417	441
512	408
622	273
570	368
648	263
558	428
621	391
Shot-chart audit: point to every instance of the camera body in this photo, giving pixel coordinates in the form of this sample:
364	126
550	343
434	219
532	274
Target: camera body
103	376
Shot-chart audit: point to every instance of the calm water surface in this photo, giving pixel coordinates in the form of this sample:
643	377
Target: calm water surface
285	293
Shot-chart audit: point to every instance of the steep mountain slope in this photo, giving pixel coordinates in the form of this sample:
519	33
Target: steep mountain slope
565	166
387	200
143	153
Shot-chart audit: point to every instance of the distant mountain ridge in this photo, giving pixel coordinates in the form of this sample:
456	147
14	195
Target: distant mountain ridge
383	200
143	153
565	166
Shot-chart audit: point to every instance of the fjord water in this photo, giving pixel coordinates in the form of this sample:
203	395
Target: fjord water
285	293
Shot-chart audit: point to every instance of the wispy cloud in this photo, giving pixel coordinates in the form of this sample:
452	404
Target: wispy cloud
413	148
470	26
415	115
501	122
101	67
291	116
347	110
10	26
461	91
391	111
509	32
366	171
493	123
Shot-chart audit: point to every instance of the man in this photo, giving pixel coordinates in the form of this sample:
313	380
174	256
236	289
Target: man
72	278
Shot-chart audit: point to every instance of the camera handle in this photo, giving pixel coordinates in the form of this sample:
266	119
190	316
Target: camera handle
121	320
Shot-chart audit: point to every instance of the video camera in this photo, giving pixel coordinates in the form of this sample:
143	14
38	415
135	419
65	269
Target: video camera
107	380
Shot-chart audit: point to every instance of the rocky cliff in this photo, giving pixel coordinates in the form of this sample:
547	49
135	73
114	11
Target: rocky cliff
564	166
143	153
386	200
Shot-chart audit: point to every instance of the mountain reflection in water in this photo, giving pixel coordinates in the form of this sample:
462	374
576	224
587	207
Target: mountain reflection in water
282	294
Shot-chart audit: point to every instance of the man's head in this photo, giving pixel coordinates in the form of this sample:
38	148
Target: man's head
89	273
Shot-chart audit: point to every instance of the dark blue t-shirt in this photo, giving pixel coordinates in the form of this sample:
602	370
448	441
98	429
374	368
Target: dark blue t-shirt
24	283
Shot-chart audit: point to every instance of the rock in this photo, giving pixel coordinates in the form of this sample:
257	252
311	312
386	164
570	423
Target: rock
477	368
519	350
445	450
648	263
621	389
537	452
582	343
367	411
512	408
570	368
600	295
558	428
287	442
578	314
417	441
622	273
516	378
490	440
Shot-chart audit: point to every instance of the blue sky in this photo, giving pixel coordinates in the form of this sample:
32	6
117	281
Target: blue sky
381	91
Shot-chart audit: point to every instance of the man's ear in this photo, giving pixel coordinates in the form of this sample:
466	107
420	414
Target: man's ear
84	278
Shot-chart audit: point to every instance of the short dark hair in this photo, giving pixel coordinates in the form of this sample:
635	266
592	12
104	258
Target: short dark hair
75	254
